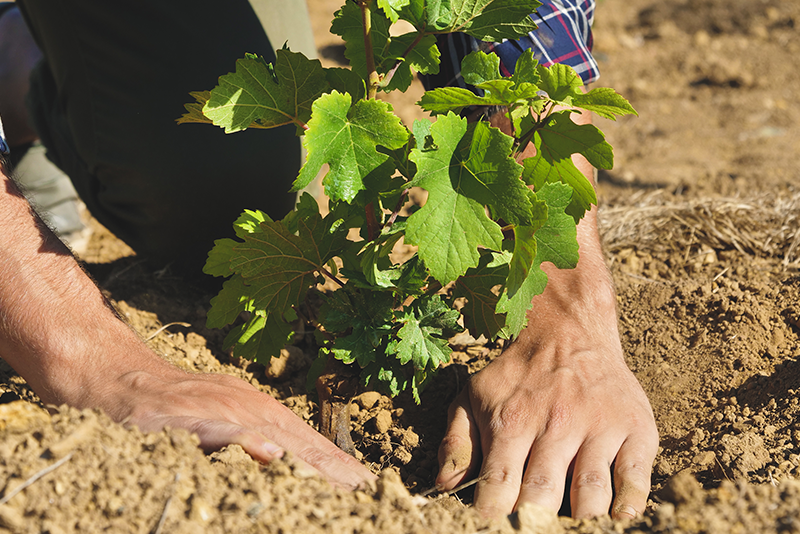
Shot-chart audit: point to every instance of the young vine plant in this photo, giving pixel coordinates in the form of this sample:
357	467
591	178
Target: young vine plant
490	220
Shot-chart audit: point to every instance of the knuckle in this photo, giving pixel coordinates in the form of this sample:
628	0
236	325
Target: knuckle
502	476
539	483
592	480
510	418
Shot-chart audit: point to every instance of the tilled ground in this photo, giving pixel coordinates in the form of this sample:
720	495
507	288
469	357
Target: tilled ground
700	225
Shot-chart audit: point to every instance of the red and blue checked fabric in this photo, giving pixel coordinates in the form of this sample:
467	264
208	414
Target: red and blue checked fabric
3	146
564	35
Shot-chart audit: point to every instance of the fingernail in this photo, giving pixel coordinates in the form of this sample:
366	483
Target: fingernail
273	449
626	510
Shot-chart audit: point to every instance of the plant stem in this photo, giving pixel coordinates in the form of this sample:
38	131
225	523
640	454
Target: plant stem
373	79
336	386
330	275
389	75
372	221
398	207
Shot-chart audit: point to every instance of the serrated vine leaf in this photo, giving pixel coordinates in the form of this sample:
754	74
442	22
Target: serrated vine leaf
346	138
479	67
483	71
560	138
260	338
346	81
605	102
347	24
545	169
477	286
427	325
279	266
556	242
194	110
362	322
423	58
233	298
561	83
261	95
489	20
470	168
392	8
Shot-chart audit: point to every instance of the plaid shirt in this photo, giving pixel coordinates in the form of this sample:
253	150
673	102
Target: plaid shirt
3	145
564	36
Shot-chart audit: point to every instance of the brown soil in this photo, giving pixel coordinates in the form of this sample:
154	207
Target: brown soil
700	223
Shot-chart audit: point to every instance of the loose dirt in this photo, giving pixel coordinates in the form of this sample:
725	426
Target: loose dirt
699	220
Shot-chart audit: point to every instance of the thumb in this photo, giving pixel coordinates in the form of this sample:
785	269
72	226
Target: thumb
459	453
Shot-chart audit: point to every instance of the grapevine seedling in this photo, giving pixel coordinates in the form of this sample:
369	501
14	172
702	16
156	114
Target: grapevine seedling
490	220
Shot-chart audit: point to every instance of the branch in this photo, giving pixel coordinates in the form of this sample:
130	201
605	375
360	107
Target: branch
398	207
330	275
373	79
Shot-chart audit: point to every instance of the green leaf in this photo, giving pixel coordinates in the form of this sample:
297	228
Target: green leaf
346	81
491	20
219	258
392	8
445	99
377	250
452	224
478	67
260	95
478	286
423	58
362	322
423	337
348	24
526	69
605	102
346	138
233	299
280	266
561	83
249	221
523	258
543	169
483	71
560	138
194	110
259	339
556	242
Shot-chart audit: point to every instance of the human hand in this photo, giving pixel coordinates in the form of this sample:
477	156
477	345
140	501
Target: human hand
560	403
225	410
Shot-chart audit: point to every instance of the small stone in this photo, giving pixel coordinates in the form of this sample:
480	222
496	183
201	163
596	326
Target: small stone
382	422
704	458
11	519
403	455
368	399
410	439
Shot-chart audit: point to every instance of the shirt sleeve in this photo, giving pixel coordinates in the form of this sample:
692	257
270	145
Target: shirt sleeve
564	35
3	145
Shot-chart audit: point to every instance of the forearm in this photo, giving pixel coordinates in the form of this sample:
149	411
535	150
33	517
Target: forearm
54	322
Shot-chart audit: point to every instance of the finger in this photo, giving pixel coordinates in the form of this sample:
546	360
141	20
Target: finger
632	470
295	435
459	452
546	474
501	475
590	492
214	435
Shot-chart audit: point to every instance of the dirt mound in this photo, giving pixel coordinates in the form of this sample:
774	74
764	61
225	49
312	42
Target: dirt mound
700	224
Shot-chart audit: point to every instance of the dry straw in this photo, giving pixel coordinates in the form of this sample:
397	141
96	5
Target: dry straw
767	226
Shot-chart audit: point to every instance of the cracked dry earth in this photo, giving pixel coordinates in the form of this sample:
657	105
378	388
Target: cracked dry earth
699	220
